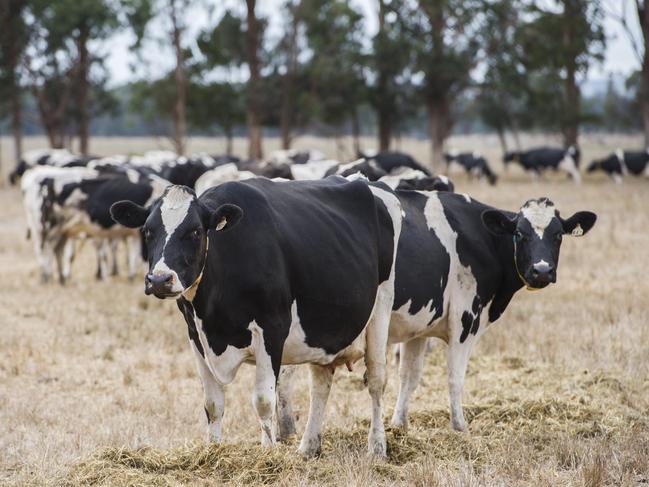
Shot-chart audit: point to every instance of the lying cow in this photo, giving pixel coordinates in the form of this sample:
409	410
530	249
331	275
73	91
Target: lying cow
295	272
621	163
536	161
473	163
459	263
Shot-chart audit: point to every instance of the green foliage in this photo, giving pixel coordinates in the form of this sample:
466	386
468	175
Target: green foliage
213	104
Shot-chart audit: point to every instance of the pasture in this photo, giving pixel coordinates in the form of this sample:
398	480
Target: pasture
98	385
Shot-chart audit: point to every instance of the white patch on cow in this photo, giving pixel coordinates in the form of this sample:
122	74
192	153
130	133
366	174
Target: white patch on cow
263	397
224	366
394	178
312	169
577	231
174	209
540	263
466	197
220	175
539	214
405	326
476	154
296	351
569	165
617	178
344	167
444	179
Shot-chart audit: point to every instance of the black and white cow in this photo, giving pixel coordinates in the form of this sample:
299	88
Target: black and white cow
219	175
473	163
415	180
537	161
368	168
277	273
459	263
46	157
620	163
294	156
391	160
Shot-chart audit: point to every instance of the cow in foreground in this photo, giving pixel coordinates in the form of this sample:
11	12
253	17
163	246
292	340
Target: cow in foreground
537	161
621	163
277	273
459	263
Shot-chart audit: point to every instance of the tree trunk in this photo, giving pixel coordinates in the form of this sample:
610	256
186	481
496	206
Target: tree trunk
180	81
286	112
384	108
254	104
501	138
12	63
84	67
438	125
228	140
356	132
643	17
570	124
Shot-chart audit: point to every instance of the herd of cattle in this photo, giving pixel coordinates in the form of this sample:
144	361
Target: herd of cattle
299	268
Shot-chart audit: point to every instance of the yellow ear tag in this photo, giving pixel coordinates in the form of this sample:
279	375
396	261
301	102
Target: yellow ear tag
221	224
577	231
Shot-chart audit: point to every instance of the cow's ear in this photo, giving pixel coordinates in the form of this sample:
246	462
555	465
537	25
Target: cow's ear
129	214
224	217
579	224
498	222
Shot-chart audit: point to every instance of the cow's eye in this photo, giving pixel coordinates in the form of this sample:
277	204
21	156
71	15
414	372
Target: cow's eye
558	237
518	235
195	234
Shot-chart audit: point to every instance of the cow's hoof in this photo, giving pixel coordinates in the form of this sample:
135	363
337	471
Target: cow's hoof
377	449
399	423
310	448
459	425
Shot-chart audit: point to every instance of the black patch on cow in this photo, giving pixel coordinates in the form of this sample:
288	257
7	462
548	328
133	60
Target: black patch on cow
422	264
187	310
391	160
471	320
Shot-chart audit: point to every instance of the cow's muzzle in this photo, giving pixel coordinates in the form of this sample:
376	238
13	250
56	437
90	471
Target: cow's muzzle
160	285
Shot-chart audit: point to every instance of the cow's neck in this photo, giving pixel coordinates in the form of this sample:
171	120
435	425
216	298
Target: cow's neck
511	282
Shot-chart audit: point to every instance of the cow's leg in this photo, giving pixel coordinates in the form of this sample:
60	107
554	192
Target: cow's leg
285	416
45	255
458	358
319	387
114	247
214	397
569	165
410	369
64	256
133	255
375	361
264	395
102	265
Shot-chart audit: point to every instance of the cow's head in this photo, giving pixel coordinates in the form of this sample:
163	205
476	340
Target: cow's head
537	231
175	233
610	165
511	156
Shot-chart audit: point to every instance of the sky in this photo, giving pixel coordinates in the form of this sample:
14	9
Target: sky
156	58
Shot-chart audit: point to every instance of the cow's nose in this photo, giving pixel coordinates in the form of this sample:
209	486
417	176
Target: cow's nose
158	279
544	273
158	284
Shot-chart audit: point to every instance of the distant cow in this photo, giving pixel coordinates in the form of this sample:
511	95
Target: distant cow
46	157
368	168
391	160
294	156
539	160
473	163
459	263
295	272
621	163
219	175
413	179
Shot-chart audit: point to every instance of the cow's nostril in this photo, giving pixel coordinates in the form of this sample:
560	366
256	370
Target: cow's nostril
535	273
168	277
148	278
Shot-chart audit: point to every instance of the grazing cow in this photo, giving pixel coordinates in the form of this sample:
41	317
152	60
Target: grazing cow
295	272
368	168
459	263
46	157
391	160
473	163
539	160
621	163
415	180
219	175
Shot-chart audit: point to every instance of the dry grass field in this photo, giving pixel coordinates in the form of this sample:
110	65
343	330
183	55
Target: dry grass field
98	386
